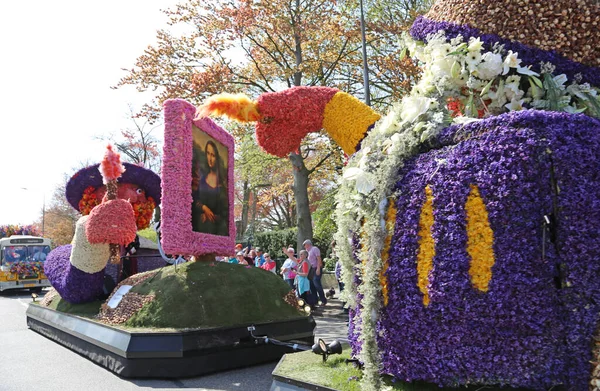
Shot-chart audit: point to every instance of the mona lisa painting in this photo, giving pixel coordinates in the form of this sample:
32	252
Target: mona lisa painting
197	184
210	209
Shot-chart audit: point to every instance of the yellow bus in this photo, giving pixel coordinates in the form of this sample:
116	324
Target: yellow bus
22	260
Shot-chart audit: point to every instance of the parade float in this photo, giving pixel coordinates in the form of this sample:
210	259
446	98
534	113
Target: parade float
468	215
189	316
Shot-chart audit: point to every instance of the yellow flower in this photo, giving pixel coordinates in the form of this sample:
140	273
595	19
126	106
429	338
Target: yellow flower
480	240
390	221
347	120
426	246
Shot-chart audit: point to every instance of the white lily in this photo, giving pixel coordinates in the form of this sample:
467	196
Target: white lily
527	71
511	88
515	105
511	61
475	45
414	106
364	181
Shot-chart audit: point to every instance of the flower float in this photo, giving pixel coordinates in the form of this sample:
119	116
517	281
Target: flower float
489	167
116	201
15	229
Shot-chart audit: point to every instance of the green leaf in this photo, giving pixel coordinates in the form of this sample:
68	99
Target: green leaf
460	49
403	53
455	71
552	92
487	87
418	126
470	107
536	80
594	103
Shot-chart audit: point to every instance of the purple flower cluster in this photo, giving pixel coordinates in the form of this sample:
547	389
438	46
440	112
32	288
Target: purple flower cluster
422	27
533	327
72	284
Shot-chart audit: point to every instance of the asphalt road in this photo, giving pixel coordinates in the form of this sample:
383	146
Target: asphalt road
29	361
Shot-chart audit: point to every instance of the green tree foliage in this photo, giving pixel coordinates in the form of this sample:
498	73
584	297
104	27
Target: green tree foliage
273	241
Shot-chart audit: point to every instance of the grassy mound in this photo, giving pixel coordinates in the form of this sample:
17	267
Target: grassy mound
198	295
87	310
202	295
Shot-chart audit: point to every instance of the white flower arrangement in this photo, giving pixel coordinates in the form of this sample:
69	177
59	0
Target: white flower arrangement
85	256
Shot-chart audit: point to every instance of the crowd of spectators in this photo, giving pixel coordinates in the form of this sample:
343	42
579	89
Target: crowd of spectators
302	272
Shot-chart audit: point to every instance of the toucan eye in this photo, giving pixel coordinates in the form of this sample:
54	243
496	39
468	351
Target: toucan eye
140	191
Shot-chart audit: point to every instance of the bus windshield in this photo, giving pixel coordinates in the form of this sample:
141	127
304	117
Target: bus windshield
25	253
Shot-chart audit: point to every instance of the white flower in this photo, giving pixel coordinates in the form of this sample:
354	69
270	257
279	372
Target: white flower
515	105
427	82
461	119
475	45
497	96
511	88
414	106
475	84
527	71
456	40
364	181
511	61
362	163
490	67
473	59
389	124
442	66
462	79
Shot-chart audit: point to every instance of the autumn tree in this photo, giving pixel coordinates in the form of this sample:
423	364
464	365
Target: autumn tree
137	143
59	216
257	46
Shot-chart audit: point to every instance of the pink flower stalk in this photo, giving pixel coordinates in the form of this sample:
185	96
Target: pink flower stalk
111	167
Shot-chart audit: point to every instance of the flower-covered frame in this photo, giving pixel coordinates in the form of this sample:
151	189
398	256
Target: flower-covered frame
177	235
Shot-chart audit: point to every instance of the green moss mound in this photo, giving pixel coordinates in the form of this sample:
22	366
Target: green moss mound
206	295
86	310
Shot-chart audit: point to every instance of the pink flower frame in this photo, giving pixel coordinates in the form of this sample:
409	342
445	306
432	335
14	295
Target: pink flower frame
178	236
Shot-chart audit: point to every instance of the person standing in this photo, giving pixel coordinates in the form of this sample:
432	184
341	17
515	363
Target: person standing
314	258
260	259
269	264
288	267
302	282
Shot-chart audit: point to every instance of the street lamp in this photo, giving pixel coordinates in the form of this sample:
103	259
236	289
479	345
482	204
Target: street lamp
364	54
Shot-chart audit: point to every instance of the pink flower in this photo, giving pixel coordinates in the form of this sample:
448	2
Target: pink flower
111	167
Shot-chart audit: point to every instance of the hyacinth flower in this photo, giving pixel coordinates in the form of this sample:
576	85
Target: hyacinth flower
284	118
112	222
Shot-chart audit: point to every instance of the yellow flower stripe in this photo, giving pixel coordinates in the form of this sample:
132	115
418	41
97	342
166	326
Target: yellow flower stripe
480	240
390	222
426	246
347	119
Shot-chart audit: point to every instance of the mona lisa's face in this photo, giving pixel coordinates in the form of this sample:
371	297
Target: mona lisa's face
211	156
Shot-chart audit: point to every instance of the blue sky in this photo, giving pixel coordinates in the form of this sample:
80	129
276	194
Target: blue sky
59	60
